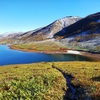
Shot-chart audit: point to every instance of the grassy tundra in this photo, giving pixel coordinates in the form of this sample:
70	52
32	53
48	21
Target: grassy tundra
40	47
40	81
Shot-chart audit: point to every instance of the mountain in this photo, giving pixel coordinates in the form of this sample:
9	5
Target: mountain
9	34
44	33
84	34
73	32
89	23
9	37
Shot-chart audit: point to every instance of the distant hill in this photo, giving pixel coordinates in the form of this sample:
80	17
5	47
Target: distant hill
9	37
9	34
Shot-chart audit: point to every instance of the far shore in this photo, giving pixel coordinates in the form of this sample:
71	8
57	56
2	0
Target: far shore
93	56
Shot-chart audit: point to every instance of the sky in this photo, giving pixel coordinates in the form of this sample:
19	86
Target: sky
26	15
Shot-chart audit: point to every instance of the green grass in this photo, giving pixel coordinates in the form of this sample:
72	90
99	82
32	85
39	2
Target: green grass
86	74
31	82
40	46
39	81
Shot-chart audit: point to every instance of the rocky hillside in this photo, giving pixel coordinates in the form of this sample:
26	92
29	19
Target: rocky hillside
9	35
89	25
84	34
49	31
44	33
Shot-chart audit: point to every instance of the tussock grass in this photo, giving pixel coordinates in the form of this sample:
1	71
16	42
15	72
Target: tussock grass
31	82
86	74
39	81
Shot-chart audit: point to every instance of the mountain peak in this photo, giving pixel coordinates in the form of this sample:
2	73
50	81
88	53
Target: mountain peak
70	17
68	20
46	32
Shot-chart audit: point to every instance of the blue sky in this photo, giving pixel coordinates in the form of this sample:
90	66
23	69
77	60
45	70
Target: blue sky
26	15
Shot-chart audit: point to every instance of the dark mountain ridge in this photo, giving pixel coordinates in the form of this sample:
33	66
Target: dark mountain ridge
90	22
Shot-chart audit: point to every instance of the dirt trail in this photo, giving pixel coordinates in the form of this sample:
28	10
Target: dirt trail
73	92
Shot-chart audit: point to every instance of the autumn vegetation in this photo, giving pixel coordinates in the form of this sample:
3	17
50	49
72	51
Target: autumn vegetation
40	46
40	81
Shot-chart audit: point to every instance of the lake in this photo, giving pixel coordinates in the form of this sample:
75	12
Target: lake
9	56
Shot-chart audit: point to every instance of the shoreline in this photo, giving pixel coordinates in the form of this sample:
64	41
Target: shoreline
93	56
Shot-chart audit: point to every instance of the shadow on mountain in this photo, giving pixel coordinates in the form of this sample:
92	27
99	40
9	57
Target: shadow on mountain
89	23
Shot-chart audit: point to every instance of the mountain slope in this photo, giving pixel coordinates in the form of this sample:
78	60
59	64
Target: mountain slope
84	34
89	23
45	32
9	34
9	37
49	31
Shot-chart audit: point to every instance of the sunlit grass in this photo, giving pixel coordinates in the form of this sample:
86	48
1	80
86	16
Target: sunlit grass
44	46
86	74
39	81
32	82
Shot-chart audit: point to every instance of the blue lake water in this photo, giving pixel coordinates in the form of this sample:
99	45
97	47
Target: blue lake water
9	56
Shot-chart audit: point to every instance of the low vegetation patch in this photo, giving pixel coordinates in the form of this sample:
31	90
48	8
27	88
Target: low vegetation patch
86	74
40	81
31	82
40	46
